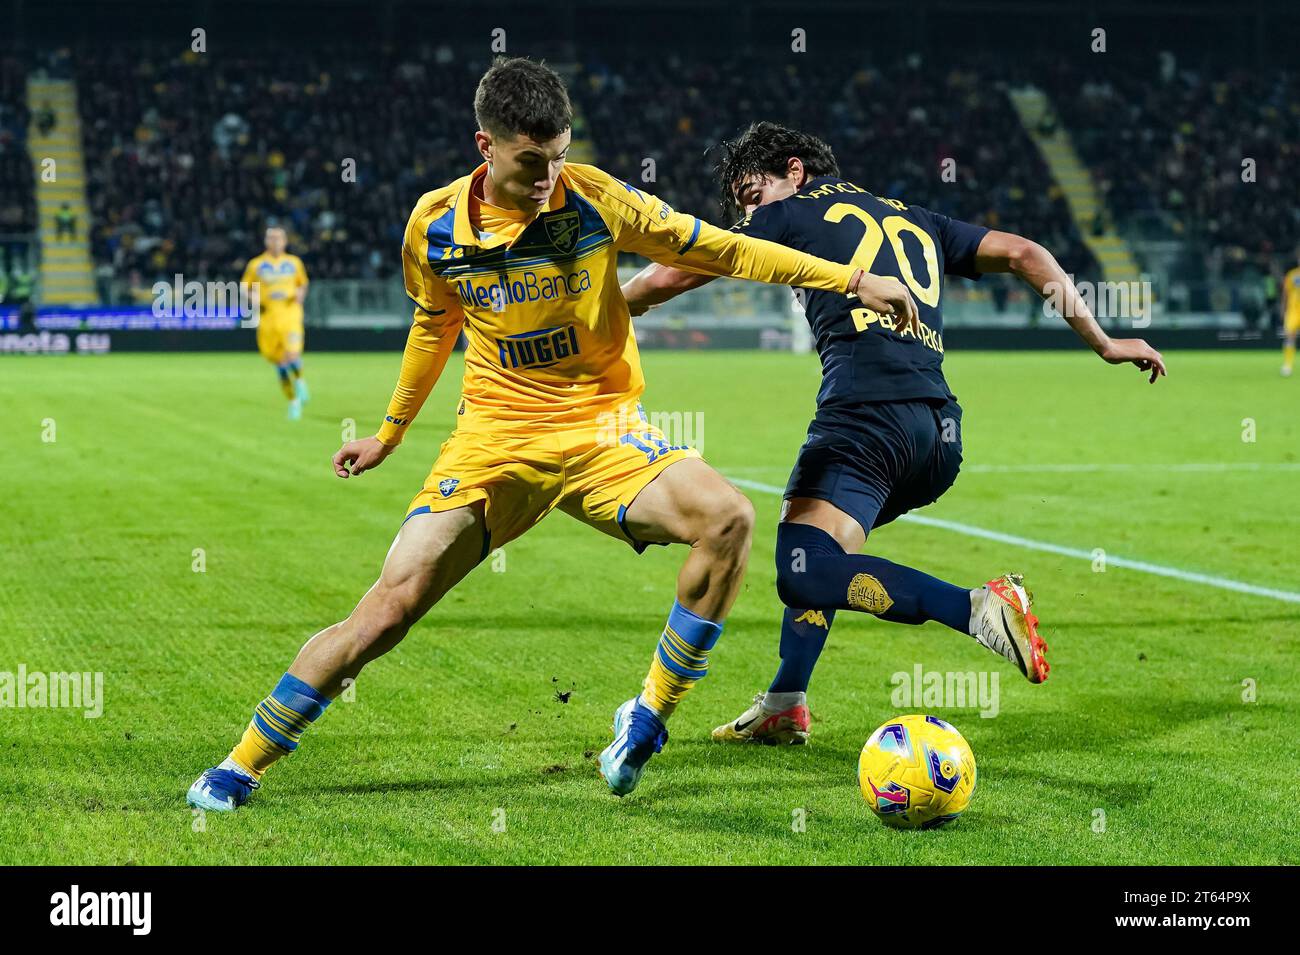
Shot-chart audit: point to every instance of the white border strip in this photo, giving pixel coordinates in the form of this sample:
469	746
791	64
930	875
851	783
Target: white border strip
1140	565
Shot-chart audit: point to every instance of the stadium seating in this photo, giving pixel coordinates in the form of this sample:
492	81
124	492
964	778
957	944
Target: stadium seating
17	193
891	132
1166	142
189	156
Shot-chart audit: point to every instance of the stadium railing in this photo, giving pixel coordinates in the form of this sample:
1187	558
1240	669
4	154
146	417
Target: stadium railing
995	302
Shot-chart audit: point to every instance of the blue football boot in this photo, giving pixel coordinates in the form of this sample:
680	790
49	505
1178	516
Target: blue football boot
223	788
638	735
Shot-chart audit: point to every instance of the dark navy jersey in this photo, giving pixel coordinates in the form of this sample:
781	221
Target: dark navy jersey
864	356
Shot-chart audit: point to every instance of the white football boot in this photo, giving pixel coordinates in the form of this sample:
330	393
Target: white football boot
760	724
1000	620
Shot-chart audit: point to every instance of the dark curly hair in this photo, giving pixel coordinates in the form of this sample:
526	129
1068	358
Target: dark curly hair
766	149
517	96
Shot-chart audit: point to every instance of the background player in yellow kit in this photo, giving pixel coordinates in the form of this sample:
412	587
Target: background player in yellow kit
522	254
278	283
1290	316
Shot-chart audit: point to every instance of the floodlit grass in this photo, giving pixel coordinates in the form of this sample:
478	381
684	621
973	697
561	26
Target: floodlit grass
1143	719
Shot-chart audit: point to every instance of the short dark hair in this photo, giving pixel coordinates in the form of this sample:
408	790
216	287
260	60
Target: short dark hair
766	149
517	96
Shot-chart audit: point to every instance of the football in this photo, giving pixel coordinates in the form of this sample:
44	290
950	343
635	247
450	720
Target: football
917	772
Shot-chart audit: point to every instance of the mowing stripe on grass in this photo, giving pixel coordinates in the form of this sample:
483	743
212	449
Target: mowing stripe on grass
1140	565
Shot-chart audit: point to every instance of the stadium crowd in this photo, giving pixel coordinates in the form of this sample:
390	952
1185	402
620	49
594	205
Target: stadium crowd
189	156
17	185
892	132
1205	153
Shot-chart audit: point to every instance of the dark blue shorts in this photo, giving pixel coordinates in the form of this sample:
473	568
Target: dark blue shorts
879	460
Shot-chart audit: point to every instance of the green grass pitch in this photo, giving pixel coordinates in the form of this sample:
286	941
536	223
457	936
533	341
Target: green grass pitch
1143	720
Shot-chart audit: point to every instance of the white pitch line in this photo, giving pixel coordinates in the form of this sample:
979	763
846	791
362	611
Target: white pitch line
1206	467
1159	570
1192	467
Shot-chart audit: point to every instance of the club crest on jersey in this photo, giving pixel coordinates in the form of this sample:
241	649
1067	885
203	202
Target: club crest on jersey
447	486
562	230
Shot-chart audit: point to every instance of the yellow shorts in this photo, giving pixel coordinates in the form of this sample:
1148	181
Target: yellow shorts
590	472
279	337
1292	321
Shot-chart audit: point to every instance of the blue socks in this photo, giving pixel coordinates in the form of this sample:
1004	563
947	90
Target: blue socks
803	634
812	570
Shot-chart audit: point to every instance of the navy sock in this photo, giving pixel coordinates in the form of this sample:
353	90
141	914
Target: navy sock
812	570
803	634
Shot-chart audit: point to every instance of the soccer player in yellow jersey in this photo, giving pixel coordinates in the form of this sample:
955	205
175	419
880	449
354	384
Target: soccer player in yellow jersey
521	254
278	283
1290	316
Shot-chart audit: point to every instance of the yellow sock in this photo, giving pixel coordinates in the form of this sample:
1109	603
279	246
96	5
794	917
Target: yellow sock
255	753
287	387
278	723
1288	356
681	660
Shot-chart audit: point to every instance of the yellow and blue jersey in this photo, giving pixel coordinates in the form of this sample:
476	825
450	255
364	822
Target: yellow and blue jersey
1291	299
549	333
278	278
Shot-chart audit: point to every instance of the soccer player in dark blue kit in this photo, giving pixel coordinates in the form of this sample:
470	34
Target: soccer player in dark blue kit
886	437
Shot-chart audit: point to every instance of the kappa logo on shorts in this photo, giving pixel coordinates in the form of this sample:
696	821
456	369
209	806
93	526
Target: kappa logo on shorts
447	486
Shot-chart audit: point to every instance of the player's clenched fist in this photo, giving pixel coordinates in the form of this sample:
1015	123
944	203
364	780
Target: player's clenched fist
357	457
888	296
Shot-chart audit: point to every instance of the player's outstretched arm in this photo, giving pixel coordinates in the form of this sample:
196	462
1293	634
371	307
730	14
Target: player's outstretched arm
656	284
1038	268
650	227
717	252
